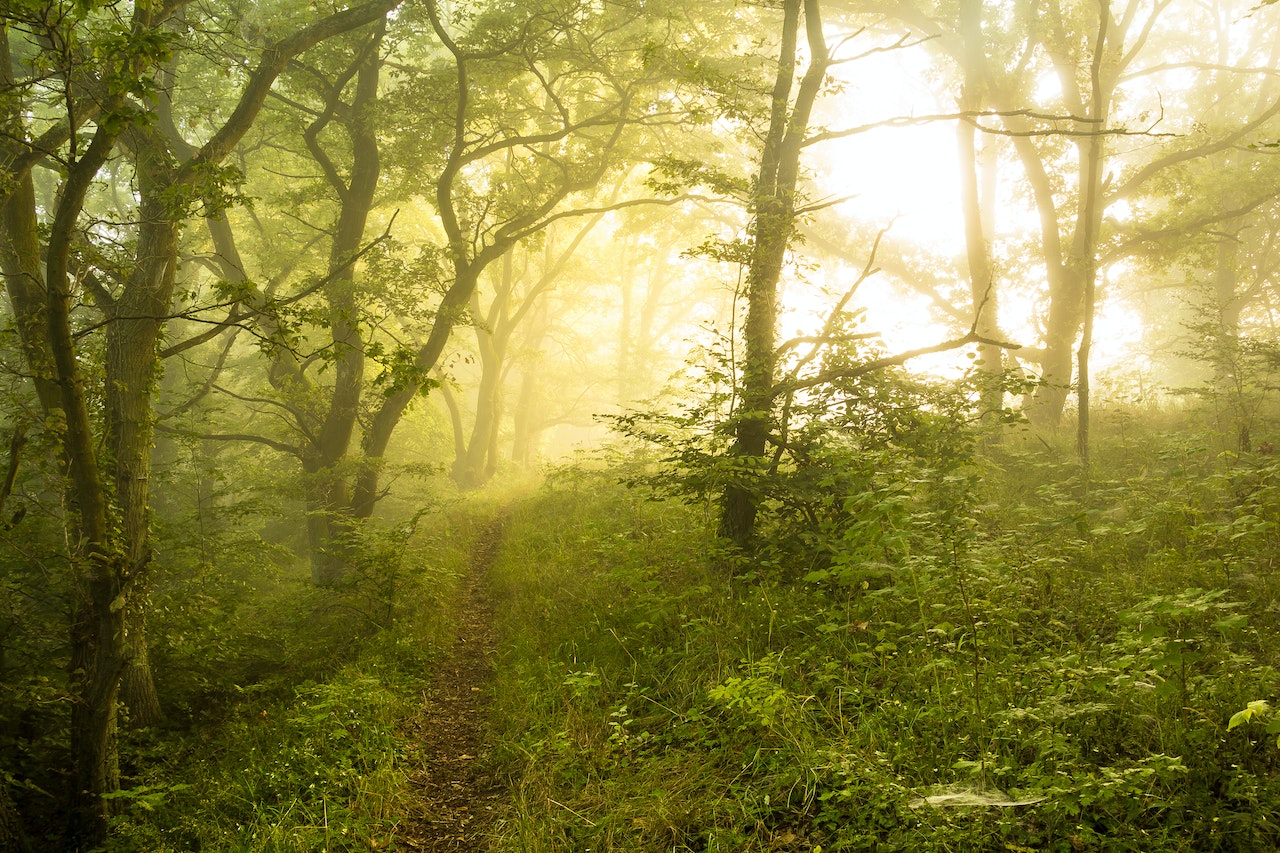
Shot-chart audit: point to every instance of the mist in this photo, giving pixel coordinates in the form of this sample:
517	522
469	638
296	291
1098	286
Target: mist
633	425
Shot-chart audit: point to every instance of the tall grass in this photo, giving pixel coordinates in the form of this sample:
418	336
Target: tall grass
1040	666
304	742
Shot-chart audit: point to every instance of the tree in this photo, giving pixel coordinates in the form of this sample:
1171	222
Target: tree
108	68
596	95
323	415
508	311
978	203
506	120
773	225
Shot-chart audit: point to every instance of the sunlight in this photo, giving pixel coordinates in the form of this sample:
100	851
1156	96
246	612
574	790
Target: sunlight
906	177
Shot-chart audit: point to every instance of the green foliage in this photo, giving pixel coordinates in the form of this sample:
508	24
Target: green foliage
673	175
288	705
211	191
1261	709
852	463
992	660
320	770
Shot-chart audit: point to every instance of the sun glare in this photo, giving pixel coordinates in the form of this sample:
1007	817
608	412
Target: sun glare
901	172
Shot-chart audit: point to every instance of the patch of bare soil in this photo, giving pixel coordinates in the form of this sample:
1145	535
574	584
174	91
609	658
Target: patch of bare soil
454	800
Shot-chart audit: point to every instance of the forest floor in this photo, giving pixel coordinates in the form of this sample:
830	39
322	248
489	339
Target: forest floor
453	796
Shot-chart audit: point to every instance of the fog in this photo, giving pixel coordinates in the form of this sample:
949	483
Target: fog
285	280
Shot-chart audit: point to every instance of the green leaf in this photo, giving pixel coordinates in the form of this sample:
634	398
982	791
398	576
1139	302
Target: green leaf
1257	706
1239	718
1232	622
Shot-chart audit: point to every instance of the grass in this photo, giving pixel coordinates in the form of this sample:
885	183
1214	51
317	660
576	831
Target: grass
316	752
992	657
1040	647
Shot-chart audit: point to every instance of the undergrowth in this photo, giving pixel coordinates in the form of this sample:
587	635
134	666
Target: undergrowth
1017	661
295	735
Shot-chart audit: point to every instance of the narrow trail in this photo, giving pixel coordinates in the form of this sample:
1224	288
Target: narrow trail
453	803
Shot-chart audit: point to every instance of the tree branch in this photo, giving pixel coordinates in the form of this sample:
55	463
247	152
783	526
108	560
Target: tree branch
280	446
273	62
828	376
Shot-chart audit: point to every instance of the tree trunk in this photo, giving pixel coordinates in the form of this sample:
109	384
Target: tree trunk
328	524
97	630
98	662
1228	370
328	493
527	419
132	373
24	283
626	334
479	462
108	503
474	468
1090	222
524	429
774	199
384	422
978	211
101	564
1046	405
137	686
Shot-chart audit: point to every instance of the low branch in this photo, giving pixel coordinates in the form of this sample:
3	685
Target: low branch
275	58
972	117
832	323
543	222
798	340
210	382
297	414
828	376
236	318
234	436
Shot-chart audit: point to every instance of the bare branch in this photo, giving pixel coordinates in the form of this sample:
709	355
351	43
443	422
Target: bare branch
208	385
829	376
280	446
972	117
833	318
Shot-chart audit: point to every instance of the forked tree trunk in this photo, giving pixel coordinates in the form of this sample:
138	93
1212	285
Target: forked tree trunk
774	200
108	508
474	468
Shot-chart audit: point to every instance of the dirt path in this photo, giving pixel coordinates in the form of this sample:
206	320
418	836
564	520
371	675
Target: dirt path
454	802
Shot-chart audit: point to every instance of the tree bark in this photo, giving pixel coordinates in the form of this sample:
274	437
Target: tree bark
24	283
1090	222
328	494
527	420
472	247
1228	369
100	561
137	684
773	226
132	369
110	525
977	211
